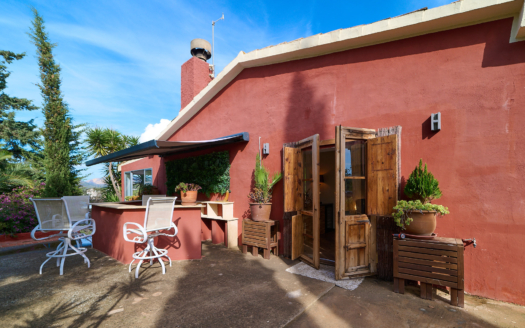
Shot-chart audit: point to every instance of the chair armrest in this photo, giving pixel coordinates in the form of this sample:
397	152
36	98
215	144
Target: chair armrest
175	231
88	215
128	231
79	225
37	228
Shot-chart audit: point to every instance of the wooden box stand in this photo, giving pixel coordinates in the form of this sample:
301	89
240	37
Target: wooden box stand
260	234
431	262
224	228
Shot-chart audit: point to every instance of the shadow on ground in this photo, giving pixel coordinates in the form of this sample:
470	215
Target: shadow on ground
224	289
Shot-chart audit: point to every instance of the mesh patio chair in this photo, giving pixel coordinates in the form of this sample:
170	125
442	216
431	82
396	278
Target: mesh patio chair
53	215
78	207
159	217
146	197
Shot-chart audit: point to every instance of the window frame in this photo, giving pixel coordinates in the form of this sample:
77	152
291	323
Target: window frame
130	172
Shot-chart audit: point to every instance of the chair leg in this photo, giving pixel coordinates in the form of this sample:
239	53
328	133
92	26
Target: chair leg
86	260
57	250
160	260
63	258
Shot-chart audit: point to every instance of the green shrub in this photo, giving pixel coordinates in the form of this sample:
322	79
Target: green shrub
422	185
210	171
401	216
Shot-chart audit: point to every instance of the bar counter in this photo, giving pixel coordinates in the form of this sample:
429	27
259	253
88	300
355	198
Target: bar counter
109	237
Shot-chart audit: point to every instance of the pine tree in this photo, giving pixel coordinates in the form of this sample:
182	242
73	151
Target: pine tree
21	139
61	144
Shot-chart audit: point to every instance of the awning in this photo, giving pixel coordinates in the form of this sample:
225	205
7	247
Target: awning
165	148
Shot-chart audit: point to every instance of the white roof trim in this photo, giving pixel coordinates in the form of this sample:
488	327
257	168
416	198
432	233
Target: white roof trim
457	14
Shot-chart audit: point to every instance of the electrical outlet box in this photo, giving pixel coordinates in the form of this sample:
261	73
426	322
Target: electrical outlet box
435	121
266	149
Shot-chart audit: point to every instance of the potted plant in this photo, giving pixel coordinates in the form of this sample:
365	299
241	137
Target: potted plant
188	193
418	216
261	195
149	190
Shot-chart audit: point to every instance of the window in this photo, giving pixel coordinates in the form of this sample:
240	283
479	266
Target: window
135	180
355	180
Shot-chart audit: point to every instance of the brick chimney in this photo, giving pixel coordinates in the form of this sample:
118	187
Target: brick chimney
195	73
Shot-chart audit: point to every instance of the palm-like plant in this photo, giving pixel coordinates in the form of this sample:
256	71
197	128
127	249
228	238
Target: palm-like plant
104	141
11	174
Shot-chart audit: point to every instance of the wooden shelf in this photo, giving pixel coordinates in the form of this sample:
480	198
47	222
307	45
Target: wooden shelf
217	218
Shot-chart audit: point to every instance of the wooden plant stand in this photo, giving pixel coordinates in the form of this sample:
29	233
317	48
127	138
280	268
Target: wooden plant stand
431	262
260	234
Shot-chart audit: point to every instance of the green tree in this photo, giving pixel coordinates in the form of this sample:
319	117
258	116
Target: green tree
20	139
104	141
62	152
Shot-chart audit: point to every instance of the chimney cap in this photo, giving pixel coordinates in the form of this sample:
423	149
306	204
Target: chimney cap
201	49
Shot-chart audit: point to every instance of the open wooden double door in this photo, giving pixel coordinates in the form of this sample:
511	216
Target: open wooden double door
366	185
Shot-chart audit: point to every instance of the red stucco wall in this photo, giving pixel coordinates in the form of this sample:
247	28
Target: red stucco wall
472	75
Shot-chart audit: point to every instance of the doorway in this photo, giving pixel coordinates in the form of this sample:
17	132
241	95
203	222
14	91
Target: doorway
333	191
327	198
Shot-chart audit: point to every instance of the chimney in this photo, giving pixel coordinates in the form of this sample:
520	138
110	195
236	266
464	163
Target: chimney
195	73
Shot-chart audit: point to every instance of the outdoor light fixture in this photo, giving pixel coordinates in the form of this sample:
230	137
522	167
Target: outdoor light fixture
435	122
321	178
266	149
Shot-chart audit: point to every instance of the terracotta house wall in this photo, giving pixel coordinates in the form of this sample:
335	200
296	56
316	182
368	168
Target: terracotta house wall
472	75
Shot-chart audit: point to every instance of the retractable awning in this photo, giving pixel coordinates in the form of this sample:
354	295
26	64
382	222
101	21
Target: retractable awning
164	148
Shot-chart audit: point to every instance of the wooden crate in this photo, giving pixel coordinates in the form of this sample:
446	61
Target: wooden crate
260	234
431	262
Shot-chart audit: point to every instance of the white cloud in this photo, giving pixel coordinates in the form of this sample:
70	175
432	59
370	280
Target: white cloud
153	130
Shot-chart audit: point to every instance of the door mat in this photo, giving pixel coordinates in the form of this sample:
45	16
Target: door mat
325	273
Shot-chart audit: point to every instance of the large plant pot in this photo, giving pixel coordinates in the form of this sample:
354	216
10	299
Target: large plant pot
260	212
424	223
189	198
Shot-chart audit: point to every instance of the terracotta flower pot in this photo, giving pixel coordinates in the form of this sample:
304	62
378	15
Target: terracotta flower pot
189	198
260	212
424	223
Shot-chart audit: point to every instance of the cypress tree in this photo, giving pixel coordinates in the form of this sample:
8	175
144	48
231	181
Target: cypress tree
58	129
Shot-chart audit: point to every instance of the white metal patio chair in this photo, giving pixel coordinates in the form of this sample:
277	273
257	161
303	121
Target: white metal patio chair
53	215
78	208
146	197
159	216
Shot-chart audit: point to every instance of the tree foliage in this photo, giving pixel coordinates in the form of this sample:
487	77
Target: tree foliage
13	175
422	185
21	139
104	141
62	148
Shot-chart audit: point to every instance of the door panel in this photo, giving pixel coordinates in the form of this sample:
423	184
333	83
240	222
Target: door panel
297	236
382	179
353	226
301	178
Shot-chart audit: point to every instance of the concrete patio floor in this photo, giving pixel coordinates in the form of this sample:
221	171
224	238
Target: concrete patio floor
224	289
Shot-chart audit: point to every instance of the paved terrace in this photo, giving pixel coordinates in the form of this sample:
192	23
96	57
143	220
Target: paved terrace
224	289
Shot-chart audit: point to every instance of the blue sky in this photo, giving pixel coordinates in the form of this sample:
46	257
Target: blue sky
121	59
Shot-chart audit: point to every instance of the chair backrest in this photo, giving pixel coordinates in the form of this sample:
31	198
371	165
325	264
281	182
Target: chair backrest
51	213
77	206
159	213
146	197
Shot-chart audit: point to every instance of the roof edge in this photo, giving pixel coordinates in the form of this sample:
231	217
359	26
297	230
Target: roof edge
454	15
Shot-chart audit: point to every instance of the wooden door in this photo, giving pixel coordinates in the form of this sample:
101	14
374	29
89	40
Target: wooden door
364	165
382	175
302	199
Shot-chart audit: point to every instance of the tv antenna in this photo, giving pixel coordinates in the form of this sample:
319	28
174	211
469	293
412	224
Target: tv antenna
213	44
